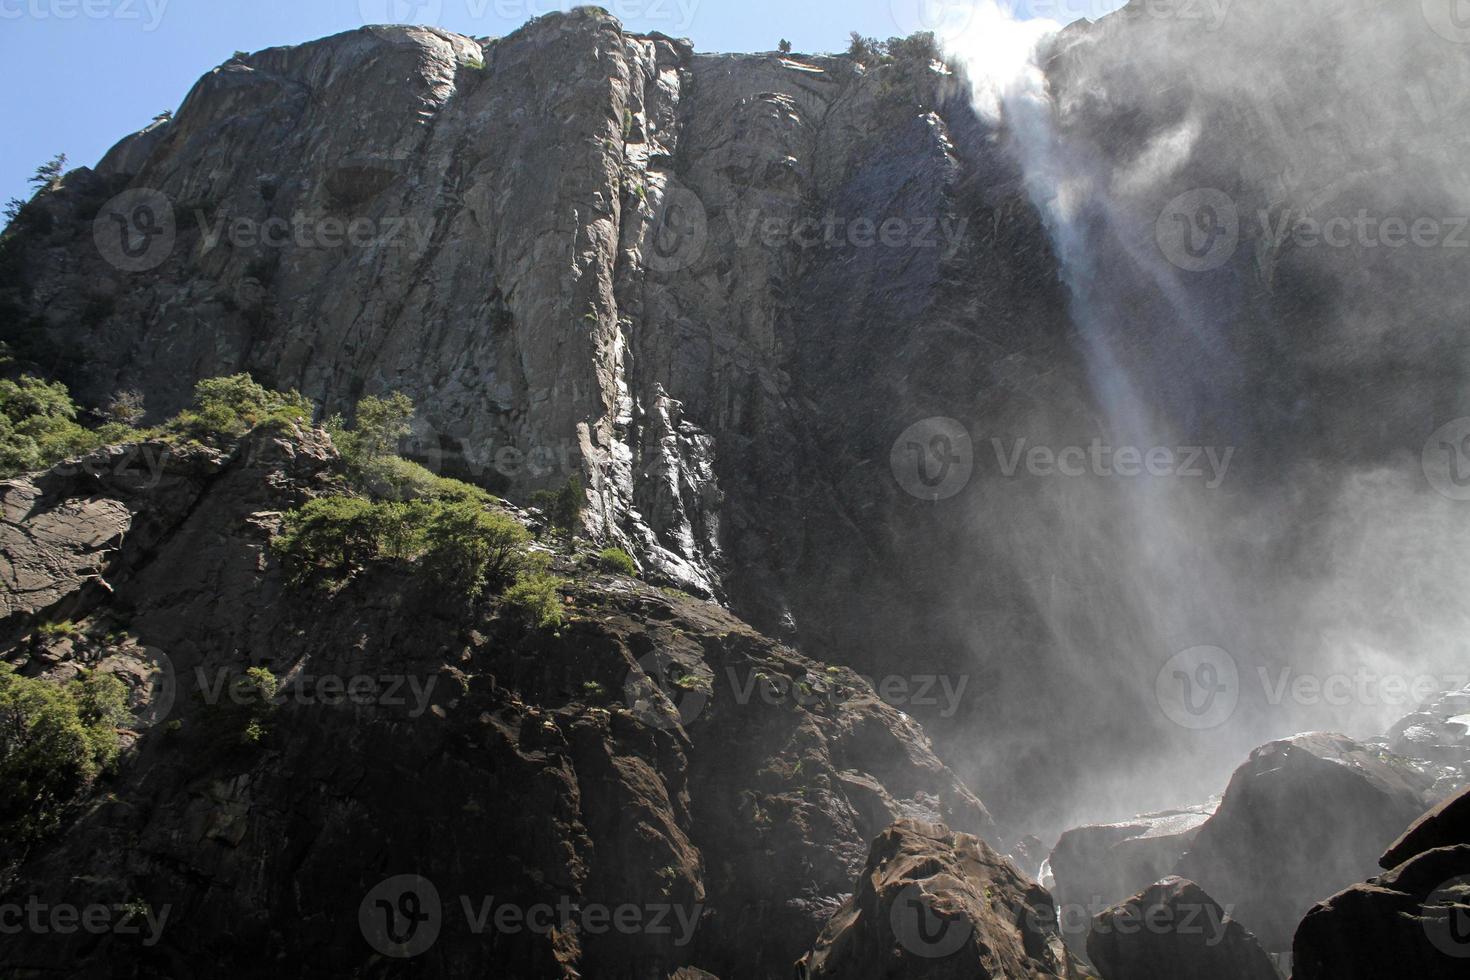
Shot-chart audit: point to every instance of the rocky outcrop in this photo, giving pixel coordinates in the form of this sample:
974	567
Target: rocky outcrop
1173	930
436	781
1413	921
1446	825
1097	866
1301	818
934	903
1435	736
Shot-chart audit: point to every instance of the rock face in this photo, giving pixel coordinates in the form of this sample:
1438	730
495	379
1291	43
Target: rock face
1301	818
1096	866
1172	930
1413	921
934	903
654	754
1435	735
1446	825
586	252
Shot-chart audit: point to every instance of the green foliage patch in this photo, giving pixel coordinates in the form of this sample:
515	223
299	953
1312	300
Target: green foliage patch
54	742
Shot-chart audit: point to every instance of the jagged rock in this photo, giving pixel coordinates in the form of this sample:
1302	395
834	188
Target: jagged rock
934	903
1434	736
1096	866
1301	818
1444	826
1412	921
655	751
1172	930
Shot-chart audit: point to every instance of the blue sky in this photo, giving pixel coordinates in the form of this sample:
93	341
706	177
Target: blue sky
84	73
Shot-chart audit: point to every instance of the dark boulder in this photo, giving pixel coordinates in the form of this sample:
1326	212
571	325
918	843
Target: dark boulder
937	904
1444	826
1302	818
1413	921
1099	865
1172	930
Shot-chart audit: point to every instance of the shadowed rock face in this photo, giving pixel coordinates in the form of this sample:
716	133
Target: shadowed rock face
1097	866
503	767
1300	819
1413	921
933	903
1445	825
1172	930
584	255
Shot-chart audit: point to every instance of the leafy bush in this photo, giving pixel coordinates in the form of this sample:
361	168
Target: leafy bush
535	597
466	546
616	560
229	407
54	741
331	535
381	423
463	545
38	426
563	507
395	478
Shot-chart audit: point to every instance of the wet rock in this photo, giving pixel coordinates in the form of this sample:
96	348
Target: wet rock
1446	825
1173	930
1412	921
1097	866
1301	819
654	753
934	903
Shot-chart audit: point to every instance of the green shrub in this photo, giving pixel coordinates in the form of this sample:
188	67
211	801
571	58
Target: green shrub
466	546
616	560
535	597
563	507
463	545
54	741
239	717
229	407
38	426
381	423
330	535
63	628
395	478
